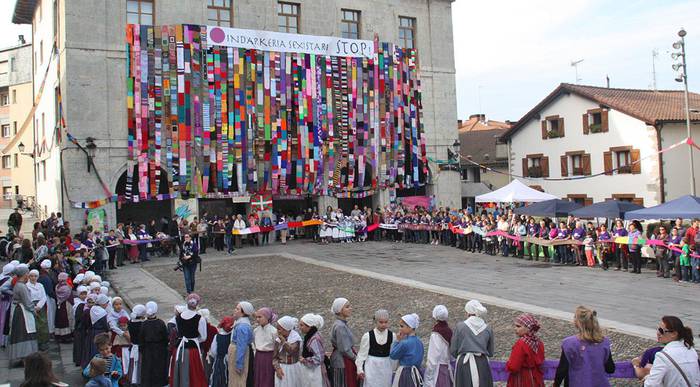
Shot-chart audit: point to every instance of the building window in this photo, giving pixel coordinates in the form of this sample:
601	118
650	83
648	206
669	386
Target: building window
14	127
552	127
16	160
350	24
14	96
139	12
581	199
7	193
219	13
6	130
6	162
627	197
288	17
536	165
577	163
13	64
622	160
3	67
595	121
407	32
4	99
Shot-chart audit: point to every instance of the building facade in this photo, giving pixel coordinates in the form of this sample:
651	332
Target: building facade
88	37
16	174
616	136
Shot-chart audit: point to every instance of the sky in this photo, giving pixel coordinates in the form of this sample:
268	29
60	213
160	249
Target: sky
509	54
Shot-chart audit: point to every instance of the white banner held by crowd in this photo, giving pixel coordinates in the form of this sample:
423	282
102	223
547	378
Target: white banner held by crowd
283	42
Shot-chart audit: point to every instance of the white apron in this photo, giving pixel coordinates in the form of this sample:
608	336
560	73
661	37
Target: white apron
378	371
293	376
312	376
51	313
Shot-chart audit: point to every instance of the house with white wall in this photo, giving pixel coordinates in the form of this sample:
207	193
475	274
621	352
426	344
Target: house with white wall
606	143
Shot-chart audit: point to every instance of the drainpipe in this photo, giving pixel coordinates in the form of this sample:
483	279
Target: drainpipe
662	185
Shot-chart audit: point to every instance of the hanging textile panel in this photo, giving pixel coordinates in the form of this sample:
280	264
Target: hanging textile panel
233	120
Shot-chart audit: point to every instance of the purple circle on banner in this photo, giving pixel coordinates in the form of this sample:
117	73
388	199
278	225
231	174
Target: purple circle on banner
217	35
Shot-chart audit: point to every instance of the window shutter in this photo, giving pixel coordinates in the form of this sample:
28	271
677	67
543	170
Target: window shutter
586	163
585	123
607	162
564	165
525	167
603	120
587	201
638	201
636	166
561	127
544	165
544	129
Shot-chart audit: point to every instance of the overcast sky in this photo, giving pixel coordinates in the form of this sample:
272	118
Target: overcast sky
510	54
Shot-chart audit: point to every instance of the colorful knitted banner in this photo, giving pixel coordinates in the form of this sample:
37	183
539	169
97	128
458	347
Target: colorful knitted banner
218	120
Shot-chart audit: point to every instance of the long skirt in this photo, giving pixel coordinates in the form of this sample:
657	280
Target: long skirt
187	369
245	378
64	322
21	342
444	377
78	343
219	372
314	376
5	305
347	376
463	371
378	371
134	374
42	328
51	314
408	377
264	375
293	376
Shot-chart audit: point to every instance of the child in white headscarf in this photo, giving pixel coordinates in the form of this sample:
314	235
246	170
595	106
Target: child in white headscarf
408	350
438	372
374	366
288	370
472	345
313	352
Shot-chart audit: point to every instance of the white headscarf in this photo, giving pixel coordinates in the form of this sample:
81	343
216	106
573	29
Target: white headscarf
102	300
82	289
105	284
138	311
475	322
312	320
440	313
7	270
151	308
46	264
104	290
78	278
205	313
97	312
288	323
381	314
412	320
247	308
338	304
94	285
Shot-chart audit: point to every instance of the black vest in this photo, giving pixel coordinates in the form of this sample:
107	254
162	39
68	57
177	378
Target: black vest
189	329
377	350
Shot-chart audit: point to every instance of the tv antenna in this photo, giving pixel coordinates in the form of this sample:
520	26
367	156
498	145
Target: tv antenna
654	55
574	64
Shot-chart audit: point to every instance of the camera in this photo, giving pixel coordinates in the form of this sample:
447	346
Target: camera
178	266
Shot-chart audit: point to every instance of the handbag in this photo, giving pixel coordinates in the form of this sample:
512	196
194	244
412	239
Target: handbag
680	370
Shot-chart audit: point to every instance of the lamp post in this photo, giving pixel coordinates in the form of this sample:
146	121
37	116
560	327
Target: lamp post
683	77
91	148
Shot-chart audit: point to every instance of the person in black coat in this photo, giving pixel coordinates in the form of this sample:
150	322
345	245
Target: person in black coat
153	346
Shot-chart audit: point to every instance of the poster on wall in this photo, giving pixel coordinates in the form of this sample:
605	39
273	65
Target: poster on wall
97	218
186	208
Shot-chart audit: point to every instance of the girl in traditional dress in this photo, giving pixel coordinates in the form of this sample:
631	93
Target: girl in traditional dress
38	294
121	346
22	338
138	315
472	345
98	325
49	280
5	300
240	351
527	356
81	311
115	313
218	354
64	311
152	366
438	372
343	356
288	370
313	352
186	366
265	335
374	367
408	350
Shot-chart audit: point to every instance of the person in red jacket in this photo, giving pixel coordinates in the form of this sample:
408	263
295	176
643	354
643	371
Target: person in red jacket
527	356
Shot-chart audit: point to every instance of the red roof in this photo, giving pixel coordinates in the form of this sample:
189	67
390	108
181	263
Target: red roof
650	106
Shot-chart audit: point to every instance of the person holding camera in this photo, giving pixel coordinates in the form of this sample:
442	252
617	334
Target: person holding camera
189	259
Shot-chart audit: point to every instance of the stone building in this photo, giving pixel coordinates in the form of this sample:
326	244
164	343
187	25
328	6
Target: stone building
86	38
16	171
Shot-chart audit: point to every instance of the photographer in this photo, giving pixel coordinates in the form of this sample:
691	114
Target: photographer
189	259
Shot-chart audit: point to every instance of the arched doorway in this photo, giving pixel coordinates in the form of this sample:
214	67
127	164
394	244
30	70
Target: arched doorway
142	212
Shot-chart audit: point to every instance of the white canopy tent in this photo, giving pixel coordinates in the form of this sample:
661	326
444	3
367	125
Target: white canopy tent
516	191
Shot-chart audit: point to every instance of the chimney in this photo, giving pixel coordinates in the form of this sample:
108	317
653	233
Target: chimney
607	80
21	39
459	123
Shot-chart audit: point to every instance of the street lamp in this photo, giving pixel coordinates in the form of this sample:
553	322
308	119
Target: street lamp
683	77
21	148
91	147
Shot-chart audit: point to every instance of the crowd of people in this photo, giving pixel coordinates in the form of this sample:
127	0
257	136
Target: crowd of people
255	347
